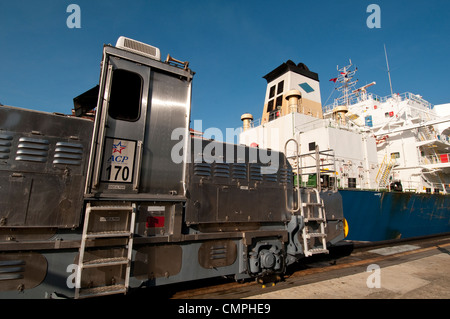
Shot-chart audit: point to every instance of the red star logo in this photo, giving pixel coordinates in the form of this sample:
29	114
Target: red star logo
118	148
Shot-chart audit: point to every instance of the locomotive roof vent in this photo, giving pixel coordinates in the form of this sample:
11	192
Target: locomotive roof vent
138	47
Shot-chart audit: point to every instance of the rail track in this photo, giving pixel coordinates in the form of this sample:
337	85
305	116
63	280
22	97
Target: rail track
347	258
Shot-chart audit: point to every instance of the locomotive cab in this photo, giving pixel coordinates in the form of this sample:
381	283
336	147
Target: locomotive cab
140	101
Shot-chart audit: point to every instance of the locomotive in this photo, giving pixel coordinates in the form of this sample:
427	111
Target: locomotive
133	199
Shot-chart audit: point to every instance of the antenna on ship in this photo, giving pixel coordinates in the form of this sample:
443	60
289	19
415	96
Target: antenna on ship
345	78
389	72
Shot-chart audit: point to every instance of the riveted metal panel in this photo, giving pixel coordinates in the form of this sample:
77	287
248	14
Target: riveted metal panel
157	261
43	158
218	253
230	184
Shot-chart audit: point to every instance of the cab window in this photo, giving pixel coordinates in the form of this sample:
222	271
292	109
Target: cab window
125	96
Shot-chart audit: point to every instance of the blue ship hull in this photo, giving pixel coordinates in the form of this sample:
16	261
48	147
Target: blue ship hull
375	216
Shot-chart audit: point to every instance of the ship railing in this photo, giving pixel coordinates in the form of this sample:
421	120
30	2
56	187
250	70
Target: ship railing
348	125
256	122
427	134
319	166
355	98
396	97
272	116
420	187
320	123
435	159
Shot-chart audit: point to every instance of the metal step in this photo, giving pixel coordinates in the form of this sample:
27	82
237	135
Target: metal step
315	235
312	204
102	291
109	234
318	251
109	208
314	219
104	262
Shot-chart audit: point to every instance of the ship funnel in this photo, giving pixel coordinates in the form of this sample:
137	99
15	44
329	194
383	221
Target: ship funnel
293	96
247	119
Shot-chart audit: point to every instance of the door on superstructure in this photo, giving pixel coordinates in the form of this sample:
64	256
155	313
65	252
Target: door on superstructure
120	128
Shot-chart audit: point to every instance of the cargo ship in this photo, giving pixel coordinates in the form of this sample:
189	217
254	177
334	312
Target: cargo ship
389	157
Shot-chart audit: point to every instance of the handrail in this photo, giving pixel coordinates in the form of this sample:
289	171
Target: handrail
138	166
297	188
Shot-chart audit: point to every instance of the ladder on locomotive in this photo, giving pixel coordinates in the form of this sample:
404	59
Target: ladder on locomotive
105	251
312	210
313	213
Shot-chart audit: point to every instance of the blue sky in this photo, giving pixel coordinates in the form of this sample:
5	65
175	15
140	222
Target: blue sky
229	44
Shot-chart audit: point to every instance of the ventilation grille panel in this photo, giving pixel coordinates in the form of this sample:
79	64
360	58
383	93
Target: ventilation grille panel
255	172
139	48
5	146
239	171
202	169
32	149
221	170
68	153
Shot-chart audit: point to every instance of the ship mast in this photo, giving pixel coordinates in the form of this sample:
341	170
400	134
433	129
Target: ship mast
388	71
345	78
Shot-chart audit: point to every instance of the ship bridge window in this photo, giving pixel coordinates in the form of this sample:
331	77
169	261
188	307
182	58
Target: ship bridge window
270	106
280	87
279	102
125	97
275	103
272	92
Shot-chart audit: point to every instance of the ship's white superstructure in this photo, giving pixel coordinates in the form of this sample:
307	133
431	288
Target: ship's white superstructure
361	141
